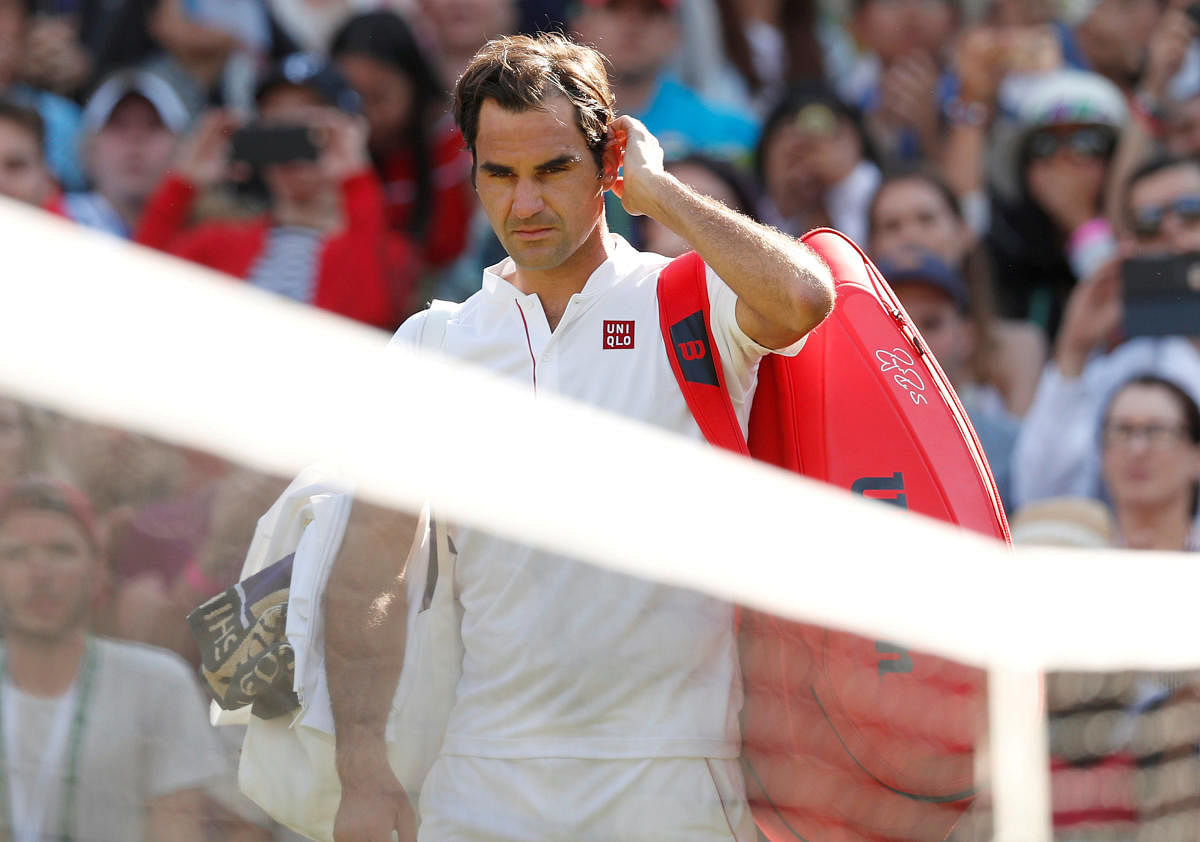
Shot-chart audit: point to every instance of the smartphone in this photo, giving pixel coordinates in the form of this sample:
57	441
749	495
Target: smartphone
261	146
1162	295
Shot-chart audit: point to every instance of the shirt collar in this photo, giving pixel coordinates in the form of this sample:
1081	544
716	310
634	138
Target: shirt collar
622	260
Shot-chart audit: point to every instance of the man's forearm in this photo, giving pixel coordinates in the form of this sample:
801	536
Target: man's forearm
781	280
365	612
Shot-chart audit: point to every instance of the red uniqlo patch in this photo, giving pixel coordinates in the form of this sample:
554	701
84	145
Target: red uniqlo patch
618	334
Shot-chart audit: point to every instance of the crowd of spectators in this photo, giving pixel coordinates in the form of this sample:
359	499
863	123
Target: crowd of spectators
1016	168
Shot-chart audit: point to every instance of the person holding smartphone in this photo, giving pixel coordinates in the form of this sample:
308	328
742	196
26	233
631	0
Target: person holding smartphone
1057	452
324	239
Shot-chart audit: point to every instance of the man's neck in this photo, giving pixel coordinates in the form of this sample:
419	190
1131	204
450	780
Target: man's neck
1164	529
554	287
44	667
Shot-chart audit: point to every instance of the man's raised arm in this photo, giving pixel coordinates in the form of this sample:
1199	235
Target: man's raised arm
365	611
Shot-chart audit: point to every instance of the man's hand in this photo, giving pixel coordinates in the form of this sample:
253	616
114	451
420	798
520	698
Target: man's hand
372	807
640	157
1167	48
203	158
344	144
1092	315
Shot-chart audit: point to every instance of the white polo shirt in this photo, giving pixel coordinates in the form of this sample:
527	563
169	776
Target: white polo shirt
563	659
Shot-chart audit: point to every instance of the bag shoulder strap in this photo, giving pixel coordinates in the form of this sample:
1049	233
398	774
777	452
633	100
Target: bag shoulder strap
683	312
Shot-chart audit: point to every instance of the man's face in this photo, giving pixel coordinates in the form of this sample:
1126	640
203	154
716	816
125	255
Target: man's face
639	37
1155	200
894	28
48	572
129	153
1148	461
12	37
1115	35
464	26
296	182
913	214
806	155
23	173
538	183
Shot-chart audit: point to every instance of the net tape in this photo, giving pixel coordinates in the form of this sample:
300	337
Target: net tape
122	335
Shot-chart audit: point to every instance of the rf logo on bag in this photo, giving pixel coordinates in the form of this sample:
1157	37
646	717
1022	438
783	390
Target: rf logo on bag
618	334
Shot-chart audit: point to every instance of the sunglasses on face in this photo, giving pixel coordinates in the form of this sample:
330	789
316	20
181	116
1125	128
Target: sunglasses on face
1088	142
1148	222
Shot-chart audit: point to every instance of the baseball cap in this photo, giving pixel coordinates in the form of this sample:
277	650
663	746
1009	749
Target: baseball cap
144	83
925	268
46	494
309	70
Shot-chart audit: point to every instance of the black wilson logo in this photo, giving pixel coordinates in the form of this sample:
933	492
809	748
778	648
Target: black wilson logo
885	489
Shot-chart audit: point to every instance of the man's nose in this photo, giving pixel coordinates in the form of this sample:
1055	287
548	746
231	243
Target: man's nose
527	200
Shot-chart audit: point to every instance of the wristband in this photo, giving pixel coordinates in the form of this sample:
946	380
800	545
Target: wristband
964	113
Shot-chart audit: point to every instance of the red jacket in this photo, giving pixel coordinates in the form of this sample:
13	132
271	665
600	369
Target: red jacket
366	272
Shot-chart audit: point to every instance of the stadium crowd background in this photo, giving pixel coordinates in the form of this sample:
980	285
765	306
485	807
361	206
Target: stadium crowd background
1003	161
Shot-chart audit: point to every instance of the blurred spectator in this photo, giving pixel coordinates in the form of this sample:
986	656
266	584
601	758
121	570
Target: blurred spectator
815	164
324	240
712	177
416	148
60	116
1056	451
899	84
1048	228
130	128
1077	522
935	297
461	27
640	39
915	209
22	439
1109	37
23	172
1150	444
768	46
102	740
55	58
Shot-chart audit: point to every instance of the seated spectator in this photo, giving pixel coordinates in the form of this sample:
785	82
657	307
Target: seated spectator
935	297
23	172
916	209
1048	229
1056	451
417	150
55	57
130	127
103	740
815	164
60	116
324	240
712	177
640	38
900	85
1150	462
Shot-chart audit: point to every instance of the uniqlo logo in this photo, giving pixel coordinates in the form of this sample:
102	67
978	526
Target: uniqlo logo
618	334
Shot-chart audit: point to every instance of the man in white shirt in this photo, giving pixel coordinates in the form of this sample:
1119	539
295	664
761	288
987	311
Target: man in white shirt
1058	449
591	705
101	740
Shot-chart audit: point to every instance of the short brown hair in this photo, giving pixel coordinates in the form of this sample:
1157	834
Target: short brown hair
521	72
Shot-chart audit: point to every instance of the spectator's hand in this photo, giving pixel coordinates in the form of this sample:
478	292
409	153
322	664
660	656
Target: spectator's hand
641	159
344	143
1167	48
908	95
980	60
53	55
1093	313
203	157
1068	189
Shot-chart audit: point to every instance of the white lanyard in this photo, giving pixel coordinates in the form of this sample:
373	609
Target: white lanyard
27	805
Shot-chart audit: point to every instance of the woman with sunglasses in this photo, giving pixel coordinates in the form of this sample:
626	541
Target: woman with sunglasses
1047	229
1056	452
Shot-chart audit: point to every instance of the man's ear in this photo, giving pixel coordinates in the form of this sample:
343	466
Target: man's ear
614	154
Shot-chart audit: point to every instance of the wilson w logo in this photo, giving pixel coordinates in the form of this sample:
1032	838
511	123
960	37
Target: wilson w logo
693	350
689	339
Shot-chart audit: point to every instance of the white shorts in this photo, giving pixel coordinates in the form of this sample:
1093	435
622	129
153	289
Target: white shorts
674	799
